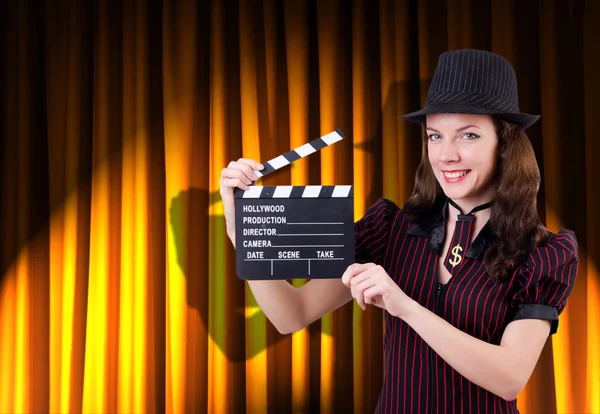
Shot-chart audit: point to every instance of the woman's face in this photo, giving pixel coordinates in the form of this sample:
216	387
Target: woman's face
463	152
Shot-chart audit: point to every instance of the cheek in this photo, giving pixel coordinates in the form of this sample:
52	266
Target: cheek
433	157
488	166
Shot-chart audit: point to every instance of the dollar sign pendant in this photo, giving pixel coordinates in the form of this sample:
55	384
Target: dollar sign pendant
457	257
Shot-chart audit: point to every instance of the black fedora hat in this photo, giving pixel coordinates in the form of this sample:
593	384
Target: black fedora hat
473	82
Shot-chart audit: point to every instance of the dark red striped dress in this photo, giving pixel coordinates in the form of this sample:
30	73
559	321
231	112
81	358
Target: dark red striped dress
416	379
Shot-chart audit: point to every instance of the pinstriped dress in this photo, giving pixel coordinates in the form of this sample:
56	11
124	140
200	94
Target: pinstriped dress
416	379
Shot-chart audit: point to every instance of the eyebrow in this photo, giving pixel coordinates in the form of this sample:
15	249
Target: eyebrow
458	130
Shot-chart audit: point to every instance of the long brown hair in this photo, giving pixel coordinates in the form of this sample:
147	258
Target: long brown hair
514	216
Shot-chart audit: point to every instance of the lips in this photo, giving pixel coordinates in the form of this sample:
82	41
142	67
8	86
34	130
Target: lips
454	176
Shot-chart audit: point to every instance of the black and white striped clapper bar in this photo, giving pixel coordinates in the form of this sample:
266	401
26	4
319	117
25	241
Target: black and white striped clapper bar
291	232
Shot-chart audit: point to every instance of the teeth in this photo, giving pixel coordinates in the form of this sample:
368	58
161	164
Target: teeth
455	174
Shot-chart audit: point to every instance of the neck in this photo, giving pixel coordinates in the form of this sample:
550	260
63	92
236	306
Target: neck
467	207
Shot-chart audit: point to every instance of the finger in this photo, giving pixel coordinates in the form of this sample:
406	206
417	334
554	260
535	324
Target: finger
353	270
350	272
245	168
365	274
357	295
358	291
235	182
232	172
357	286
370	294
253	164
371	271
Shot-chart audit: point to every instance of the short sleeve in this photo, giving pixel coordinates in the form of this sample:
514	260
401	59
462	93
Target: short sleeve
372	232
547	279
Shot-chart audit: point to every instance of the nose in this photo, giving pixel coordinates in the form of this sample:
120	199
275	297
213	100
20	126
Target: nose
449	152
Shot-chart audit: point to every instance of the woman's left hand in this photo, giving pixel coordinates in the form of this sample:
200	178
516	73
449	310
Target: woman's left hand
371	285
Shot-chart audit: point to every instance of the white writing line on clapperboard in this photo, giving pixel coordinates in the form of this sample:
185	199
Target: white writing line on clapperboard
264	260
310	234
318	223
282	260
308	245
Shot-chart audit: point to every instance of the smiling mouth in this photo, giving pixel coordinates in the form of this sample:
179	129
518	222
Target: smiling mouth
455	174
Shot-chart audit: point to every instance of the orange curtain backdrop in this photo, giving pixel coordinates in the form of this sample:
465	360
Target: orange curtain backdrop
591	288
118	290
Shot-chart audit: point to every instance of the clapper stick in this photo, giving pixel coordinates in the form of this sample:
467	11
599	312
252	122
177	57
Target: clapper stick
288	232
300	152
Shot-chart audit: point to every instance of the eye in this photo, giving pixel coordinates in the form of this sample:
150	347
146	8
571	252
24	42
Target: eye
470	135
433	137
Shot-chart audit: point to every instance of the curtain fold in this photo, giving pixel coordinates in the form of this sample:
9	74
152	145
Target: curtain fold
591	37
118	289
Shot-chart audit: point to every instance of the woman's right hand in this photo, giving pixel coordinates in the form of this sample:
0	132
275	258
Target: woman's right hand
238	174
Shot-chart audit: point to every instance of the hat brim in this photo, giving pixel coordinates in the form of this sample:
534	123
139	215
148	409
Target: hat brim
525	120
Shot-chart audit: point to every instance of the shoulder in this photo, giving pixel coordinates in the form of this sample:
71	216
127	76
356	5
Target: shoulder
373	230
386	214
560	248
380	218
383	210
546	280
564	239
555	262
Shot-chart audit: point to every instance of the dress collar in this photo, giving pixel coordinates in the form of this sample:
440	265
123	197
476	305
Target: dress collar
432	226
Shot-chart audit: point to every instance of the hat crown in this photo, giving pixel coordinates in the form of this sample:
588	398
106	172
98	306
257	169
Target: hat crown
475	78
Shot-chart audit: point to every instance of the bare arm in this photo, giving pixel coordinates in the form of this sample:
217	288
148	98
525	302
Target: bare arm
501	369
288	308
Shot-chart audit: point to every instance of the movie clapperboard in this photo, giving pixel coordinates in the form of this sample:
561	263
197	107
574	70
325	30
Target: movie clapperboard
291	232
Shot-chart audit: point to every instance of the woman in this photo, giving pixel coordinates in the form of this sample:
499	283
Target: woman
471	281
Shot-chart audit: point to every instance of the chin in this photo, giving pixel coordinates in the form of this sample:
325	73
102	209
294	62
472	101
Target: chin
458	191
455	193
